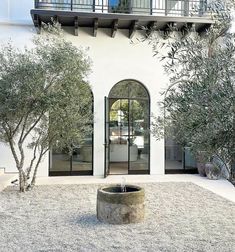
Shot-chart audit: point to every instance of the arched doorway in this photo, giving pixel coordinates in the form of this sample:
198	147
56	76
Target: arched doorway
127	124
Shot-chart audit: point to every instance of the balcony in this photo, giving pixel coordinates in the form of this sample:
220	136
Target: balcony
141	7
123	14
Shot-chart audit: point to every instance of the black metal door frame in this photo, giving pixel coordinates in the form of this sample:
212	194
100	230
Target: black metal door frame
107	139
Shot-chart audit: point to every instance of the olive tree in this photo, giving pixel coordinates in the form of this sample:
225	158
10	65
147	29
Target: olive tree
199	104
45	100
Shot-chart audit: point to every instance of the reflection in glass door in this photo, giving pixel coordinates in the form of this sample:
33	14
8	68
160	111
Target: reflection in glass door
118	135
80	162
128	128
178	159
139	135
78	158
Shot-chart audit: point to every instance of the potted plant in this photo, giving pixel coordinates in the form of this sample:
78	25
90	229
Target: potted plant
206	164
201	158
212	170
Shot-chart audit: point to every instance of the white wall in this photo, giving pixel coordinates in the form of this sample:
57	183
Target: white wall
114	59
7	160
16	11
20	36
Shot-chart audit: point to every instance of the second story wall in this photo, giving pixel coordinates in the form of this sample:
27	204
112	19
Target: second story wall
16	11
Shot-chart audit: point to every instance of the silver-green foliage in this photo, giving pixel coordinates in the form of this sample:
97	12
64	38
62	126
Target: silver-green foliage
199	104
45	99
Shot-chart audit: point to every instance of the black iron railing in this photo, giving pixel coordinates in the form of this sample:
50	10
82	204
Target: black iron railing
140	7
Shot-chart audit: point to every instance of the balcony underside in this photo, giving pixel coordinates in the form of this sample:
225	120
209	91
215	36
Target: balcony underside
116	21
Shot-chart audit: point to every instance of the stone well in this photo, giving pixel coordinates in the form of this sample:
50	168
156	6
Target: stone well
117	207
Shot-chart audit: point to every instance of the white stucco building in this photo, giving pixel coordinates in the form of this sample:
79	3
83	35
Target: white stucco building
125	73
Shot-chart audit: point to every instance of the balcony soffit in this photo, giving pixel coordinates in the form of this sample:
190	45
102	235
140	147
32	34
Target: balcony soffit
116	21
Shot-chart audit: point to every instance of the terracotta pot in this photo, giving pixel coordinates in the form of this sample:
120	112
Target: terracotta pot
212	171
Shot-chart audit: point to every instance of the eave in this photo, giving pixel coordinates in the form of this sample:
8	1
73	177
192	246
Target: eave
115	21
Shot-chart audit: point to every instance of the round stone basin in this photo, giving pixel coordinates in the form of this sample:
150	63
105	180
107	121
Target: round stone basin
117	207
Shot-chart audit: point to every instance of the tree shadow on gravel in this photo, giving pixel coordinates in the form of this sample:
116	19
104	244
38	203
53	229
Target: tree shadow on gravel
87	220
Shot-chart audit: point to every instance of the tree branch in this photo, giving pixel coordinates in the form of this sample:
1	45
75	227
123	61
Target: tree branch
13	151
34	157
32	126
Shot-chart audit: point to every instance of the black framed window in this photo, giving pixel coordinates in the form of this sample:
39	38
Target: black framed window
79	162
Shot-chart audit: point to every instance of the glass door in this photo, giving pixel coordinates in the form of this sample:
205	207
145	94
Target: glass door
139	136
129	123
118	135
141	7
127	135
119	6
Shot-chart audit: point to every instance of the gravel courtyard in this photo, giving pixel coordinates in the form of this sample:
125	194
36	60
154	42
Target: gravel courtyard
179	217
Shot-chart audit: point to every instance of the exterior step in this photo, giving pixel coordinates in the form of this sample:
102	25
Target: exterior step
2	170
5	180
